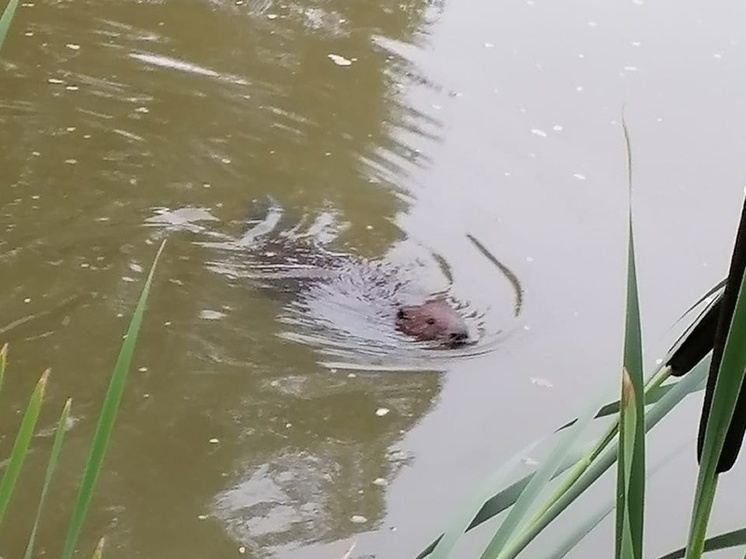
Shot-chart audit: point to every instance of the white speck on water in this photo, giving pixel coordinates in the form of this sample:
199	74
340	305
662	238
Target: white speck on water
35	153
208	314
142	110
592	24
539	132
288	425
717	55
380	412
358	519
271	16
529	259
381	482
72	46
135	267
27	300
489	45
71	161
29	33
167	323
327	153
544	383
436	107
579	88
242	550
55	81
70	129
579	176
214	441
143	369
527	327
369	228
128	279
659	119
506	173
658	361
631	68
225	160
581	55
529	461
202	517
87	136
35	197
146	395
339	60
351	375
206	185
120	315
557	128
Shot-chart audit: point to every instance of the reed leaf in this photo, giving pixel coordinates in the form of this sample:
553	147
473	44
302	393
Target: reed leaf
51	466
98	553
727	388
106	419
736	538
6	18
21	444
631	471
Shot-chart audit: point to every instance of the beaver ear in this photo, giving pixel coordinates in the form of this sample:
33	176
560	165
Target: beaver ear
401	314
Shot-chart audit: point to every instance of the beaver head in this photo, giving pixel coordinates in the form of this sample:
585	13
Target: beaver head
434	320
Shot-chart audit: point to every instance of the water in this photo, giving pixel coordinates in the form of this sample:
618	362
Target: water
390	132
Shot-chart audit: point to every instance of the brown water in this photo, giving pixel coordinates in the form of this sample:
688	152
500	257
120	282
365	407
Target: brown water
390	131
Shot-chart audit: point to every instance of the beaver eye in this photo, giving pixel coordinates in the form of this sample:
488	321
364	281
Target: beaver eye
431	321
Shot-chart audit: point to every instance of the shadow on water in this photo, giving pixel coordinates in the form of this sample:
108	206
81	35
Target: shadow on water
112	110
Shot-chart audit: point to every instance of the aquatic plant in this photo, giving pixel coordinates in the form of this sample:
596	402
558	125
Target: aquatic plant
570	467
101	437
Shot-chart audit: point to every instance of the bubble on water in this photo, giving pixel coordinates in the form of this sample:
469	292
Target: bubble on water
214	440
631	68
55	81
72	46
380	412
358	519
539	132
579	176
557	128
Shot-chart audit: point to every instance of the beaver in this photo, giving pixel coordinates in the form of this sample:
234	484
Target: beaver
288	263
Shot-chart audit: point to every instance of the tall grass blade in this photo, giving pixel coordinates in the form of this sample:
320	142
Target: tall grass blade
600	511
736	538
5	19
21	444
51	466
106	419
725	396
625	544
608	458
544	474
460	524
631	472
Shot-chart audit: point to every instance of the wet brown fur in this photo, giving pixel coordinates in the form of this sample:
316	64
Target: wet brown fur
434	320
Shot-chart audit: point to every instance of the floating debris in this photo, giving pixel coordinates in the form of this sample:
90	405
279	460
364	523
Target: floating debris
380	412
339	60
358	519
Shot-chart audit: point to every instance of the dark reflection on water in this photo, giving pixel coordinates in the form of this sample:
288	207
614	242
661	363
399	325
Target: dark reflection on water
112	113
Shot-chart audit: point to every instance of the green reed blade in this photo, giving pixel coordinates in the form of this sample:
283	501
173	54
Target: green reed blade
691	382
106	418
725	396
21	444
631	472
5	19
510	527
625	540
736	538
51	466
459	525
599	512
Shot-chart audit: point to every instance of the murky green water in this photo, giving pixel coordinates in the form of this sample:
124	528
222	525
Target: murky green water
391	131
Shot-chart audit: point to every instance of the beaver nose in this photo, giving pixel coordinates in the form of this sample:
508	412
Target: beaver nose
458	337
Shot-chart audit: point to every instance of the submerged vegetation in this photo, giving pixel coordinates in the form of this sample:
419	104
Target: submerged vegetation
570	467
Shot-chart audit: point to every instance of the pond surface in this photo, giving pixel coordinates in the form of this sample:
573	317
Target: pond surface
258	422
